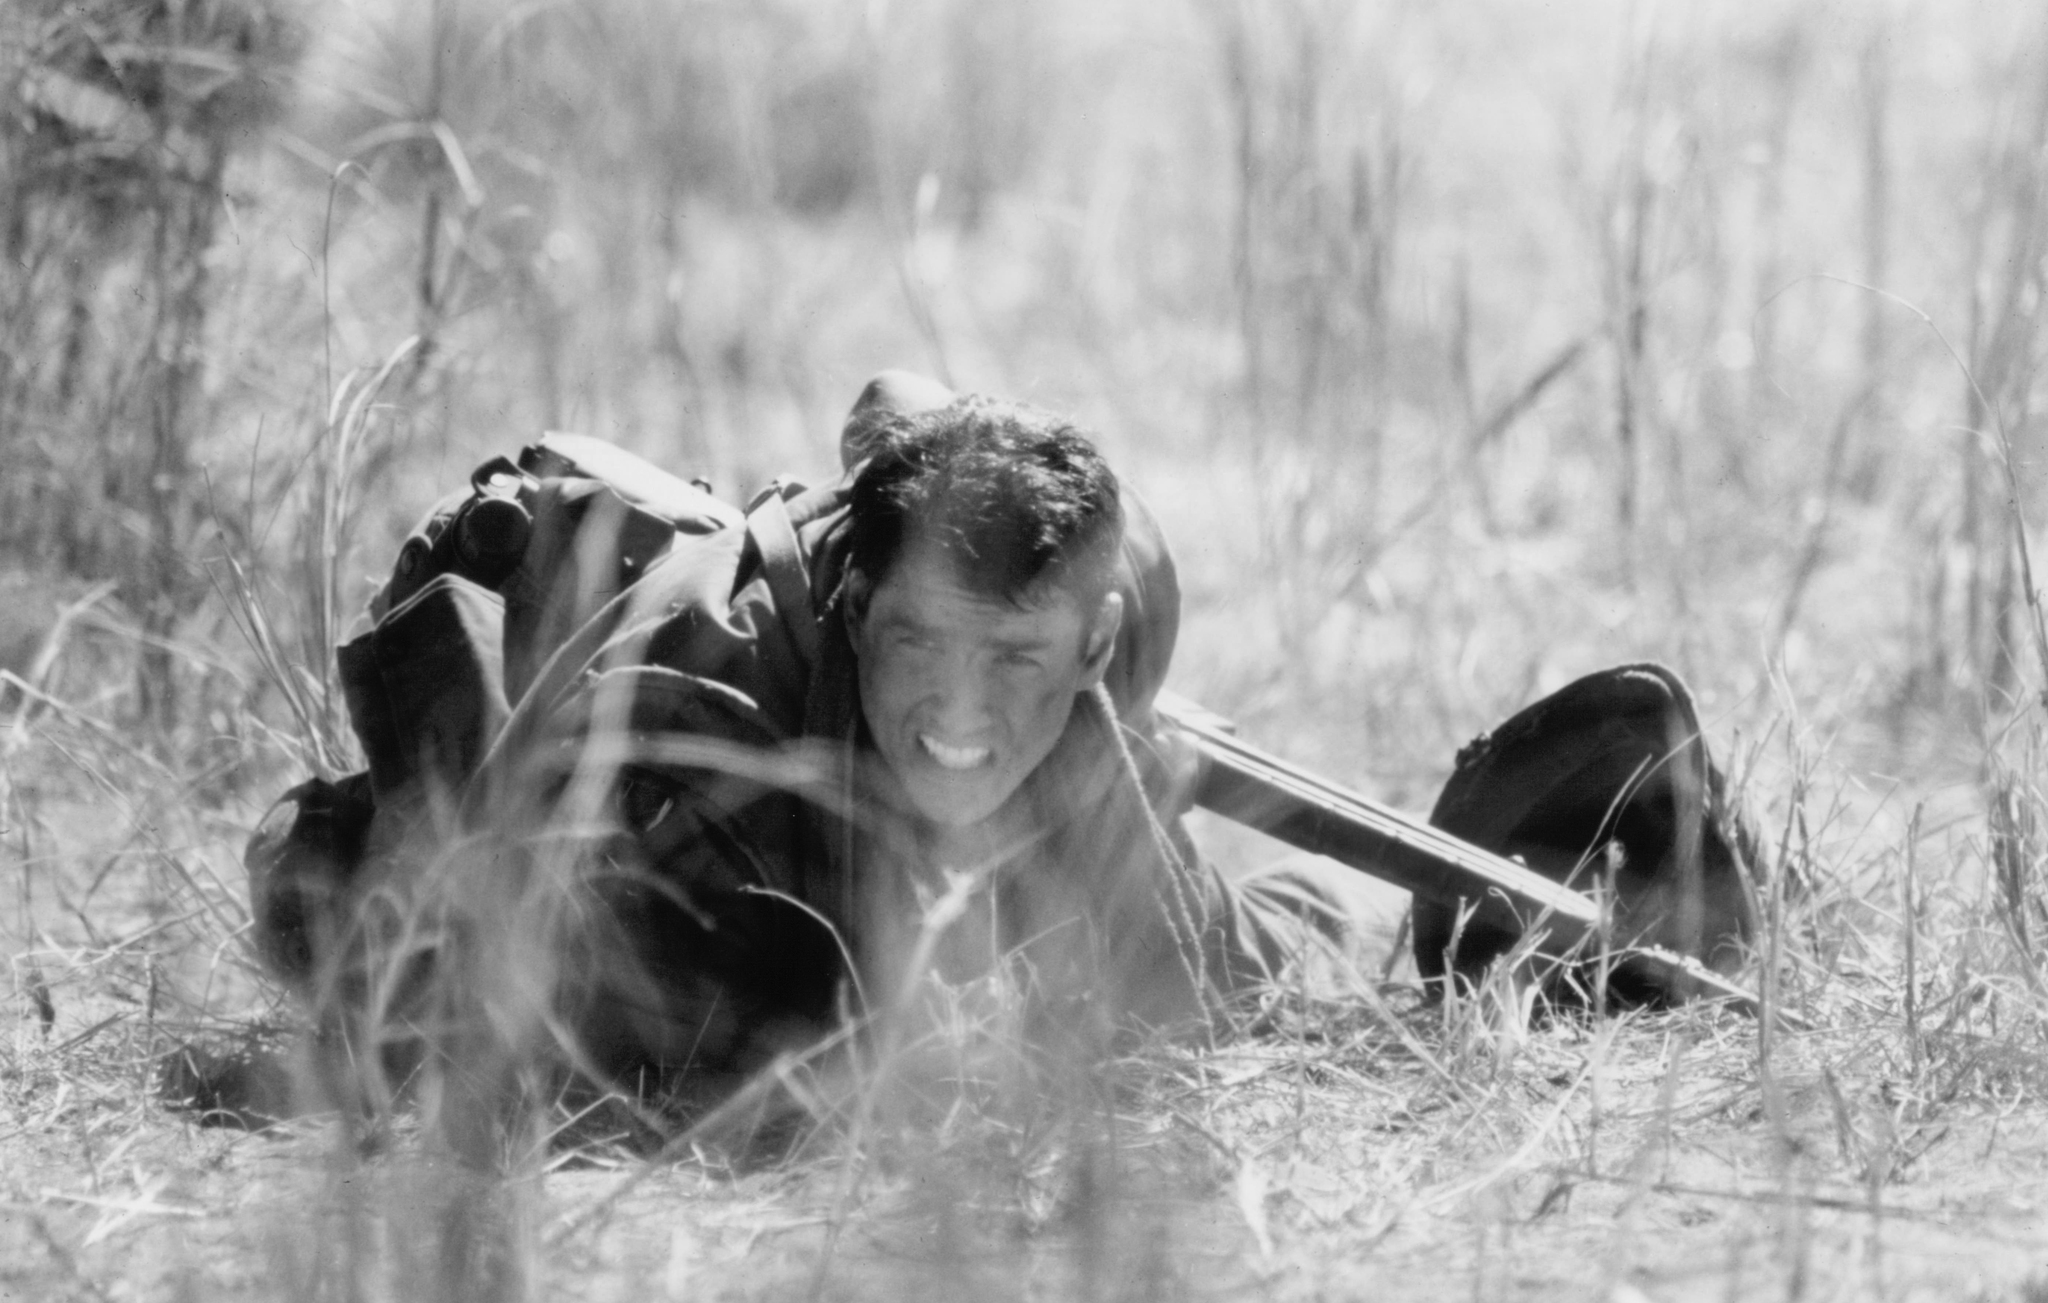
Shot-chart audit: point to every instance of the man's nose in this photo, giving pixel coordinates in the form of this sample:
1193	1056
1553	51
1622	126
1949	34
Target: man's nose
961	701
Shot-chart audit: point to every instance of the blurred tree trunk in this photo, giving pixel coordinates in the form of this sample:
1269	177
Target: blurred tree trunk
1631	208
121	118
2004	337
1785	65
1875	84
1320	171
184	226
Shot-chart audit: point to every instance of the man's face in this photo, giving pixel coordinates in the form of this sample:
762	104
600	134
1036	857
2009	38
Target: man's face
964	693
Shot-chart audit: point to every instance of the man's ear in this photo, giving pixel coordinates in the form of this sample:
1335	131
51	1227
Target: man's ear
853	605
1101	641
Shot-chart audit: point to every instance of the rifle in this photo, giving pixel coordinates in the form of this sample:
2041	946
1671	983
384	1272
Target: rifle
1267	794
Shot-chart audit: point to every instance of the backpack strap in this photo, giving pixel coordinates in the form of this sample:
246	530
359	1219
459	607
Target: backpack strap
782	565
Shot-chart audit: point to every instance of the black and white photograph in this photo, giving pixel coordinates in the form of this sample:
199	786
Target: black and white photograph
1023	650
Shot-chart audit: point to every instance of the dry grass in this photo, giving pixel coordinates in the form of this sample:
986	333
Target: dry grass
1353	1146
1459	352
1358	1142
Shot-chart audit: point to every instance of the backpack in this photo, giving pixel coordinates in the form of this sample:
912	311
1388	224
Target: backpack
1605	785
490	584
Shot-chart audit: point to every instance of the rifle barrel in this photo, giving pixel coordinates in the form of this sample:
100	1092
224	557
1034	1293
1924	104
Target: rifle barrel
1263	792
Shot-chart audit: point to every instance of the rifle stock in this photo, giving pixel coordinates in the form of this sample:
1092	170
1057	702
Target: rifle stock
1267	794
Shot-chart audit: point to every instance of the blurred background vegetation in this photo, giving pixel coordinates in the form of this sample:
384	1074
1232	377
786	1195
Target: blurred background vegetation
1462	349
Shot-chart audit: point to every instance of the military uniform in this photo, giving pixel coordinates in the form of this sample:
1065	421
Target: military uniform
658	691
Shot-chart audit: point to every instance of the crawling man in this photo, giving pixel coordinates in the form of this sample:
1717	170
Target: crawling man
728	776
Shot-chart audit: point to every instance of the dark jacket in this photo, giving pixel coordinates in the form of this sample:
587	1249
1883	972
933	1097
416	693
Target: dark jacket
677	745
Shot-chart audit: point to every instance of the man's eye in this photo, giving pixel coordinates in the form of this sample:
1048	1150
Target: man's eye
1018	661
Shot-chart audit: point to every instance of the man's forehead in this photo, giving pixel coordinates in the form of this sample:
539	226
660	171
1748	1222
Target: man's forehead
928	584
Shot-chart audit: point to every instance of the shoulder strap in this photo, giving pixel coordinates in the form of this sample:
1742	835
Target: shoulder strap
782	564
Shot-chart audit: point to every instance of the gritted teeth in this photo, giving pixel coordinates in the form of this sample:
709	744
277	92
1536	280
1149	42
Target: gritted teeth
951	757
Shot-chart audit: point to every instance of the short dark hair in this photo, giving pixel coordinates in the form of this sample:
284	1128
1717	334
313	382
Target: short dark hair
1016	497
